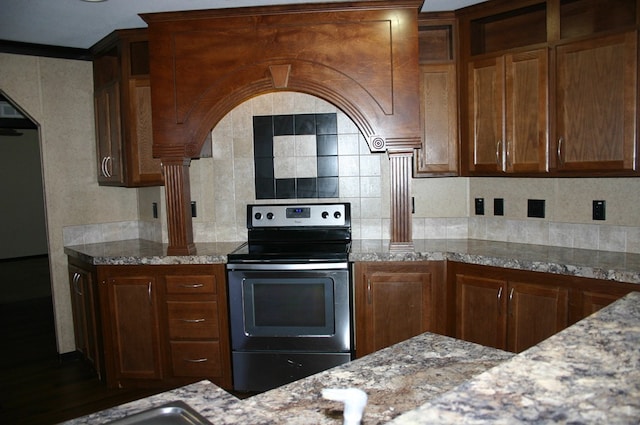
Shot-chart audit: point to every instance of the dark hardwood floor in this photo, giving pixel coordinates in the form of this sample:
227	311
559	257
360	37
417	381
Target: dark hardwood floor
37	386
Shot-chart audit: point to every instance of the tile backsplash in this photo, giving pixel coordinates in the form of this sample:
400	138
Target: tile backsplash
224	184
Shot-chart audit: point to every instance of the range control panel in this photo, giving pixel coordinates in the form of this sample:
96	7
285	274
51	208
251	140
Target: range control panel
299	215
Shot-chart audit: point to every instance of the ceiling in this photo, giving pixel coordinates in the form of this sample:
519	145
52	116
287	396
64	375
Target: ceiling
80	24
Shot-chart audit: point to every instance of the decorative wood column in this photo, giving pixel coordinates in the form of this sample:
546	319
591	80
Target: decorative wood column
178	194
400	168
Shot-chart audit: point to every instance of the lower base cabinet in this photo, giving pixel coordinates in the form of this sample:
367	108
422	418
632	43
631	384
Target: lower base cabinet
86	315
514	310
164	325
395	301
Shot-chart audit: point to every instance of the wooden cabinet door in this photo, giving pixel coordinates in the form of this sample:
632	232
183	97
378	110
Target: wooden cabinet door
394	302
439	121
535	313
481	310
526	106
133	331
596	99
109	134
508	110
86	322
485	110
142	168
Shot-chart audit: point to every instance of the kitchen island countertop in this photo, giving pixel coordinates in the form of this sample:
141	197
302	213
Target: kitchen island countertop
588	373
397	379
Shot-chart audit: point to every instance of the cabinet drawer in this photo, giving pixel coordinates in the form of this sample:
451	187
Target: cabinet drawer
193	320
200	359
196	284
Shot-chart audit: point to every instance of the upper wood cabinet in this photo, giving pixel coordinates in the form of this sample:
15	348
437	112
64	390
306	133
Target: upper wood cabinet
122	101
549	88
395	301
596	104
507	113
438	155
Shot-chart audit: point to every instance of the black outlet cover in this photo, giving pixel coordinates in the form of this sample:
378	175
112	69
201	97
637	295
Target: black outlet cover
535	208
498	206
479	204
599	210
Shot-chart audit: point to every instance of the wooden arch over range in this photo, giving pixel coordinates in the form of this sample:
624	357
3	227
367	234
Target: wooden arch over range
360	56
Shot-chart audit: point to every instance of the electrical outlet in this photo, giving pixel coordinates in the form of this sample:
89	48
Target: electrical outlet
194	210
154	208
479	204
599	210
498	206
535	208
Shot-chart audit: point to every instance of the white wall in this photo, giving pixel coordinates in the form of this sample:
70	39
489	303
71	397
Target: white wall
58	94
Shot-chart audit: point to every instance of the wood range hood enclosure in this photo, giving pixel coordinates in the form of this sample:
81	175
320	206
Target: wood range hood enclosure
360	56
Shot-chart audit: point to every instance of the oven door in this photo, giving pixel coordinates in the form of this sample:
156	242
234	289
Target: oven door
290	307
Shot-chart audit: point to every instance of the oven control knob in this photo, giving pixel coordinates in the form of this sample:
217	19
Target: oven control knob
325	214
258	216
269	216
337	214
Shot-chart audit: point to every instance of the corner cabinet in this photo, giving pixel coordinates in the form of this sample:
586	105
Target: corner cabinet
395	301
122	102
164	325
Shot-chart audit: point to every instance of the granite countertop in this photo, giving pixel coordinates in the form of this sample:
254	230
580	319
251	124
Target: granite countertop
588	373
397	379
144	252
606	265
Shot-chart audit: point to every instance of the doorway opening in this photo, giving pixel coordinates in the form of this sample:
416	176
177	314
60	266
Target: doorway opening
25	280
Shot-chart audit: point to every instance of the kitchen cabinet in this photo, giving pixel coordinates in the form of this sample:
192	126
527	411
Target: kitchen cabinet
438	155
596	104
86	317
122	101
395	301
130	299
516	309
549	88
505	311
507	110
165	325
196	311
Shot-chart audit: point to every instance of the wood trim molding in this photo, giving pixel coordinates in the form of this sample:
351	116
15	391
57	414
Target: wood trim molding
178	194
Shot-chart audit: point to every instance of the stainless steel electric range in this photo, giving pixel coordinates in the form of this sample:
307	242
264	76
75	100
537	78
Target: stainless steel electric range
290	297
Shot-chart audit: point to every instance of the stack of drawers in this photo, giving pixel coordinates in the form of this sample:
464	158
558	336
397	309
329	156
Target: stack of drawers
194	329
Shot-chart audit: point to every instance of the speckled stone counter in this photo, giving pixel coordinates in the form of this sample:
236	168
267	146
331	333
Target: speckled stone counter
140	251
396	379
606	265
587	374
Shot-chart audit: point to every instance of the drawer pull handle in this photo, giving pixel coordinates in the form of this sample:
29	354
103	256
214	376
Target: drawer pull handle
196	360
192	285
192	320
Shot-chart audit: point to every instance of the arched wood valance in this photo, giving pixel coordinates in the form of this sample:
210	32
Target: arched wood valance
360	56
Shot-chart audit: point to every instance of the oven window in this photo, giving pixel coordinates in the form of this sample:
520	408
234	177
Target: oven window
289	307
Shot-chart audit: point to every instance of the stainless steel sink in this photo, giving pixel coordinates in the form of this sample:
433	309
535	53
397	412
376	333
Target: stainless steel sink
174	413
